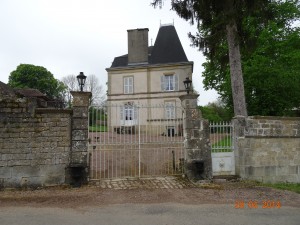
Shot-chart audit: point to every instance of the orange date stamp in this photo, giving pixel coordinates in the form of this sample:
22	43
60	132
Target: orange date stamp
252	204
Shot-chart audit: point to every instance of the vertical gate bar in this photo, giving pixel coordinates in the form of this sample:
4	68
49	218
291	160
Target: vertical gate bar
218	135
116	163
95	157
107	164
131	163
211	136
232	137
227	136
119	166
101	164
93	140
104	164
139	122
112	163
222	135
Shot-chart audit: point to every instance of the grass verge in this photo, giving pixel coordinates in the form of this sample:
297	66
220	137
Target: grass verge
224	145
284	186
98	128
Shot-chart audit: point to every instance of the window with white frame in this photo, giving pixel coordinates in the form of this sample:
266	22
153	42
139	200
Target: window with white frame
128	112
170	110
169	82
128	85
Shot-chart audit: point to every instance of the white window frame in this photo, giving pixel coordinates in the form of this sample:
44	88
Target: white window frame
169	82
128	85
128	112
170	110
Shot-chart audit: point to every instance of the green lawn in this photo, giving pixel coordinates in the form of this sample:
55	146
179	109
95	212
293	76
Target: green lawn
223	145
98	128
284	186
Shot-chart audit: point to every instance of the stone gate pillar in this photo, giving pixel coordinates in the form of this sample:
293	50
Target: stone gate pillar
198	163
239	126
79	145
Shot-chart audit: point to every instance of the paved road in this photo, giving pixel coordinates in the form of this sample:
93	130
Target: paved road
154	214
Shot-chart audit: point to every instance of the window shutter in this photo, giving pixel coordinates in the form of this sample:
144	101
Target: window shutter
176	83
124	85
162	83
130	84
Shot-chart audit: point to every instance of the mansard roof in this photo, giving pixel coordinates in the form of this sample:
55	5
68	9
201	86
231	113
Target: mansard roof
167	49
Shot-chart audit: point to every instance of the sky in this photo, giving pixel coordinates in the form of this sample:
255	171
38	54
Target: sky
71	36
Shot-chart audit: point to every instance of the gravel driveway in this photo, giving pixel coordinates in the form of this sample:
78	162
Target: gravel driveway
235	194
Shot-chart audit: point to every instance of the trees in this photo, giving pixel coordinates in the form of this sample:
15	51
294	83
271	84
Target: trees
72	85
270	60
272	74
218	21
216	112
37	77
98	96
91	84
231	37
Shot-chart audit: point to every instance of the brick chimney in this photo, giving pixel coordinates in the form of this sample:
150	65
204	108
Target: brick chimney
138	46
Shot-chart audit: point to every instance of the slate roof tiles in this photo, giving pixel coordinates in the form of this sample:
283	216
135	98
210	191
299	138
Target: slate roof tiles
167	49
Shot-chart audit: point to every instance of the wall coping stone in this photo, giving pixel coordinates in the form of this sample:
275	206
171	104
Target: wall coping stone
268	136
53	110
274	118
189	96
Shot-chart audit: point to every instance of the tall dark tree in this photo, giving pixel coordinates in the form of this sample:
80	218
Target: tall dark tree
219	22
270	60
37	77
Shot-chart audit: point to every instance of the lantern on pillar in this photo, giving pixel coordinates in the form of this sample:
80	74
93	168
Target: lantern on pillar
81	80
187	84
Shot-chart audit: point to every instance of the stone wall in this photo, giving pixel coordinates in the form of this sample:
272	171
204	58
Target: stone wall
35	143
268	149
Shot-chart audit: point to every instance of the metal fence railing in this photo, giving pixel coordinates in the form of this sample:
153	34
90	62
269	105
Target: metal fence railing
135	141
221	136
